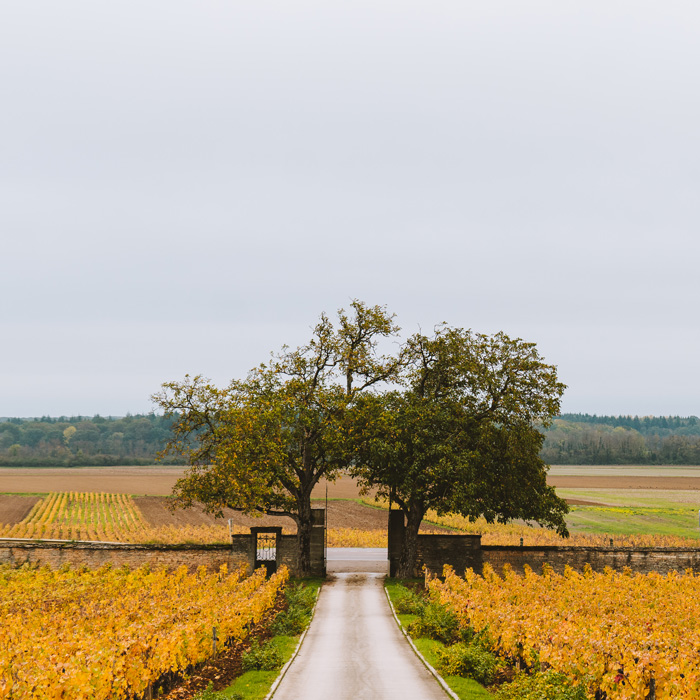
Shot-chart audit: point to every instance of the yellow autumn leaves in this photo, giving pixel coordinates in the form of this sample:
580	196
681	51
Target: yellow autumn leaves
111	633
614	632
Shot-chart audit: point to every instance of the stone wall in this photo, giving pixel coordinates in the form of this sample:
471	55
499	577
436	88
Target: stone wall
95	554
640	560
463	552
434	551
318	542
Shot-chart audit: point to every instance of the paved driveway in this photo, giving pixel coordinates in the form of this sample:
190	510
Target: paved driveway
356	559
355	651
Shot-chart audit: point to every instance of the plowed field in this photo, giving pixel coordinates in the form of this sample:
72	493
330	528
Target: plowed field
137	481
666	483
14	509
159	481
340	514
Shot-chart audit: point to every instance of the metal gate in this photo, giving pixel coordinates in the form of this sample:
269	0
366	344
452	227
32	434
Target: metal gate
265	547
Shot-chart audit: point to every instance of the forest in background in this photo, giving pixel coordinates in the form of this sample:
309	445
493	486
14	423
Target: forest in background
580	438
574	438
81	441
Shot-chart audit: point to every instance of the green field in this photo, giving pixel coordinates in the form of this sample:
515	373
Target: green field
634	511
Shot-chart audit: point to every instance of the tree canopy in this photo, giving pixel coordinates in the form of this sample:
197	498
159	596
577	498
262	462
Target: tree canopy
457	431
262	443
82	441
461	436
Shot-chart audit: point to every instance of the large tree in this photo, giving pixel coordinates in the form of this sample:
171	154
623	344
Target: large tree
461	437
261	444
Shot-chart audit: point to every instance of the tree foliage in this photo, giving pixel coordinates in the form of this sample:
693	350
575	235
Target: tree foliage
457	435
137	439
585	439
461	436
262	443
82	441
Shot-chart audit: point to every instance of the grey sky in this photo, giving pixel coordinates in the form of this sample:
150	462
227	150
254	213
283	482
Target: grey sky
185	186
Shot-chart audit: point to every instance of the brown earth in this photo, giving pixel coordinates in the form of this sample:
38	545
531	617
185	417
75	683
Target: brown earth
157	481
342	487
155	510
670	483
142	481
14	509
579	502
340	514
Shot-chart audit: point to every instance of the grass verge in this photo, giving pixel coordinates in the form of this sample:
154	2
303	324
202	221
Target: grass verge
255	685
463	688
22	493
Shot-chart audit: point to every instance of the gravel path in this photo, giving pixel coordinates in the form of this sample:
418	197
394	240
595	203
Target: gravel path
355	651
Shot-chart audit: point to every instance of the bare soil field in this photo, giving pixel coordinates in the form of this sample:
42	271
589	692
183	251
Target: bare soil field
142	481
581	502
340	514
159	481
622	469
667	483
14	509
157	513
151	481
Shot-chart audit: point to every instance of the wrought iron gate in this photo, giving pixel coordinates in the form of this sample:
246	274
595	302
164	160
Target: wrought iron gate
265	541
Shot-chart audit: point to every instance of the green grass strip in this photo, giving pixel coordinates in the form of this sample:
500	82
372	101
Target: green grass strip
255	685
634	520
463	688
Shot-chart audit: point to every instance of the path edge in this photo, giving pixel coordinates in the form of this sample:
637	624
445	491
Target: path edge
285	668
438	677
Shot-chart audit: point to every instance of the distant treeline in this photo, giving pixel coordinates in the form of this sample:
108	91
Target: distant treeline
82	441
574	438
577	438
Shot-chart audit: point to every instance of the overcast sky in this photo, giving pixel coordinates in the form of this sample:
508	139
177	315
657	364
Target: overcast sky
186	185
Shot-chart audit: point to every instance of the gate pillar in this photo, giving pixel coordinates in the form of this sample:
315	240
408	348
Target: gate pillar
396	533
318	542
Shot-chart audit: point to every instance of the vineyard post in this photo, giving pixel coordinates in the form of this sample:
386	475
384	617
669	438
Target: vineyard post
214	639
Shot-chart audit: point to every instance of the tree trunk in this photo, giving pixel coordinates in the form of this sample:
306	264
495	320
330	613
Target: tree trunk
409	550
304	537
